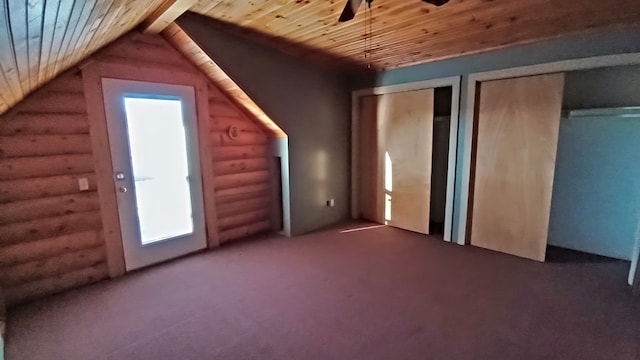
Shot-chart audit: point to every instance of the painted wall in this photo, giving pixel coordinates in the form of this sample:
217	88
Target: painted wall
311	104
596	191
564	48
598	88
602	88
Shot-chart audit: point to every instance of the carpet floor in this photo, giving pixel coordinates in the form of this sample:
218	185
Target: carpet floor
378	293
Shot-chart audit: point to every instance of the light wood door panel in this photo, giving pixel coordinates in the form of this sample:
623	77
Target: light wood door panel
517	136
405	140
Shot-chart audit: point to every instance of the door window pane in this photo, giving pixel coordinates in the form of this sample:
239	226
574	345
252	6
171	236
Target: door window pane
160	167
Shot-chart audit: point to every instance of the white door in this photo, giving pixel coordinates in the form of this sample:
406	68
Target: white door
156	170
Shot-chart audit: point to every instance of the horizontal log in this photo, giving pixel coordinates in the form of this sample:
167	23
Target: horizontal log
42	145
38	166
214	90
241	193
159	62
69	82
31	290
25	210
43	124
223	123
217	97
218	107
48	101
142	51
239	152
249	217
52	266
244	231
49	227
151	39
240	166
243	206
33	188
40	249
221	138
243	179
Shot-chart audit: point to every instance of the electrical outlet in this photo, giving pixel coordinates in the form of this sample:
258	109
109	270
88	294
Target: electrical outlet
331	203
83	184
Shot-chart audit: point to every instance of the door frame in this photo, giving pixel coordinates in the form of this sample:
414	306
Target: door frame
468	109
136	253
454	82
467	114
92	74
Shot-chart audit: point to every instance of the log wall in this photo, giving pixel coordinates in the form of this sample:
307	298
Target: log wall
50	231
51	236
242	172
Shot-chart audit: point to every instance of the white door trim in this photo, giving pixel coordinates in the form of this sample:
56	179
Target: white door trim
468	109
454	82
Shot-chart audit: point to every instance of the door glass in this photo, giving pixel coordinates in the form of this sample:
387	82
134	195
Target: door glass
160	167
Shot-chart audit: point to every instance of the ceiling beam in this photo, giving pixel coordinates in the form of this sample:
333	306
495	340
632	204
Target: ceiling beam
165	14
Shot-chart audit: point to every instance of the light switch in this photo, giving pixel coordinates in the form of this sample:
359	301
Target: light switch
83	184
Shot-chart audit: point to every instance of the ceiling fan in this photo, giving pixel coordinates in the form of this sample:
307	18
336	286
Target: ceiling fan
352	7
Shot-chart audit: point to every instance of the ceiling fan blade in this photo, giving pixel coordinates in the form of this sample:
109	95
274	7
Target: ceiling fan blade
436	2
350	10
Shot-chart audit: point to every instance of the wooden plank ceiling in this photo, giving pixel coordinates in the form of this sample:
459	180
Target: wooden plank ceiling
41	38
407	32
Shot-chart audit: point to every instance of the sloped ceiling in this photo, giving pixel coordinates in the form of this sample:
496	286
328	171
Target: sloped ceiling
41	38
191	50
410	31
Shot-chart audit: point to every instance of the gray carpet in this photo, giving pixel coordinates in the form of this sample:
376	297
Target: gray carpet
380	293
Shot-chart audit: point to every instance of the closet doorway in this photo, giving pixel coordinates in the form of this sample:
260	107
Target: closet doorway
404	155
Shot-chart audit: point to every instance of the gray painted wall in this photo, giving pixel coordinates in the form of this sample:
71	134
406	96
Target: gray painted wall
311	104
602	88
564	48
595	205
596	192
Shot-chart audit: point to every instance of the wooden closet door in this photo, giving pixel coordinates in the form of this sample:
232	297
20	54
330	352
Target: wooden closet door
405	140
517	136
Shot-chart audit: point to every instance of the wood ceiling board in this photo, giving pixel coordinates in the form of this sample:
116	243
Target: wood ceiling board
41	39
410	31
165	14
